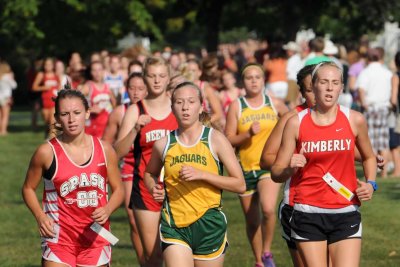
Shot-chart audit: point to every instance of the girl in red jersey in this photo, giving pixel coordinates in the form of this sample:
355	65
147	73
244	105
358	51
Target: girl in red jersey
327	193
76	168
137	90
47	81
144	123
101	100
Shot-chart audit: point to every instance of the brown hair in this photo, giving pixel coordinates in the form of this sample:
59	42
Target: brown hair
204	117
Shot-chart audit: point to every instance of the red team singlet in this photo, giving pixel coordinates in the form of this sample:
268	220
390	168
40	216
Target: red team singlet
72	195
330	149
128	161
101	97
47	96
143	144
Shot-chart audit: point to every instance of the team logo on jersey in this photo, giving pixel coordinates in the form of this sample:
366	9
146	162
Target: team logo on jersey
85	199
259	117
82	181
189	158
326	145
155	135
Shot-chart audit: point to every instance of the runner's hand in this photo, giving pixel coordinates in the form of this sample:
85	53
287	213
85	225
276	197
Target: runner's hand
46	226
101	215
364	191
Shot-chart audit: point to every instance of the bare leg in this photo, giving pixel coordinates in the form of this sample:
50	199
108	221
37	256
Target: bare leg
251	210
178	256
268	192
218	262
386	155
147	223
296	258
5	117
2	111
135	238
345	253
396	161
313	253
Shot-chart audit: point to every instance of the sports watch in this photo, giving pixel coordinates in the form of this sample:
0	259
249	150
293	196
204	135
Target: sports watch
374	185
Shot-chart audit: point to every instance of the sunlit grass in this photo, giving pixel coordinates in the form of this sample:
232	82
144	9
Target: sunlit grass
20	243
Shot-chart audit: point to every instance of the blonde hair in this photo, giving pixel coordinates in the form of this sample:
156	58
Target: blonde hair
155	61
314	74
249	65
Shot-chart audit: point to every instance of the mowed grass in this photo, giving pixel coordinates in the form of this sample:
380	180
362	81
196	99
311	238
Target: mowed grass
20	243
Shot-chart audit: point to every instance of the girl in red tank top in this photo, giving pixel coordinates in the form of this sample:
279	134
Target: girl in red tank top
48	83
144	123
101	100
327	193
76	168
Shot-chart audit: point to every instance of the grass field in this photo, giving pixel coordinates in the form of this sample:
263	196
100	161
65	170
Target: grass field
20	244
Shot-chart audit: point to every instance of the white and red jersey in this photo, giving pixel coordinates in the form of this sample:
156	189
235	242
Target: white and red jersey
98	97
73	193
328	148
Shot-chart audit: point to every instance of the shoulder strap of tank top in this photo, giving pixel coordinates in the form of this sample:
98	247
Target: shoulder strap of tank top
243	103
140	107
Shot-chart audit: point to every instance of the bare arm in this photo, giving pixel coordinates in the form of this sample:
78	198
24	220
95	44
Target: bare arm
36	83
352	83
271	147
363	143
102	214
362	95
113	124
282	169
39	161
234	182
153	170
215	104
85	89
113	100
127	132
395	90
235	138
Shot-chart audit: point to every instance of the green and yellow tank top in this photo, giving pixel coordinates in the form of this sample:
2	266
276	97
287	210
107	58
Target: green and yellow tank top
185	202
250	151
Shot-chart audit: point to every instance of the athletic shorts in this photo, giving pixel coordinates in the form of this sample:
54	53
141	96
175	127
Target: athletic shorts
332	227
252	178
141	197
73	256
394	139
285	214
126	172
206	237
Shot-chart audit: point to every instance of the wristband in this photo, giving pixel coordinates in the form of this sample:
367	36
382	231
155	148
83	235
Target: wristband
374	185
